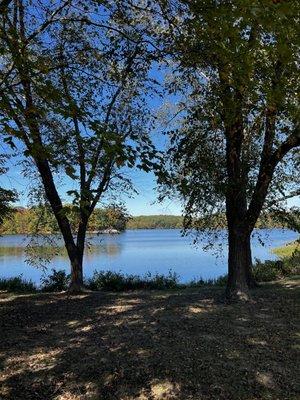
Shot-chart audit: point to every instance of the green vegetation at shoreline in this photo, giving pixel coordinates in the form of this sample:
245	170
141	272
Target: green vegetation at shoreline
58	281
269	270
288	250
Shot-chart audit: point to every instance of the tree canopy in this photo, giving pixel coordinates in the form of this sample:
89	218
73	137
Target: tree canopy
235	148
73	81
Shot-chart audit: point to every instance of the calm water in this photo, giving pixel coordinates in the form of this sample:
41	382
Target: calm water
140	251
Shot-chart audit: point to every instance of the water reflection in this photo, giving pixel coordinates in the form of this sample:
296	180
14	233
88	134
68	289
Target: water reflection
110	249
11	251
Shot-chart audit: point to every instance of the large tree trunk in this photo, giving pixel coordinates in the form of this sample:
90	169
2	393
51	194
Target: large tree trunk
251	282
74	250
76	284
238	265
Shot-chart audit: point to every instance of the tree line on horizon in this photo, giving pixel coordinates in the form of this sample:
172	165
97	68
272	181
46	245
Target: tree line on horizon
78	83
40	220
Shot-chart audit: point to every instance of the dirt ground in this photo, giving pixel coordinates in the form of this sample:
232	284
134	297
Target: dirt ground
150	345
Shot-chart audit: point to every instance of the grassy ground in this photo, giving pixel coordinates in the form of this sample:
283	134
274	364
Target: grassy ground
182	344
287	250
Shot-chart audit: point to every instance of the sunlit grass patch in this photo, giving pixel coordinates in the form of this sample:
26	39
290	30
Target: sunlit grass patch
288	250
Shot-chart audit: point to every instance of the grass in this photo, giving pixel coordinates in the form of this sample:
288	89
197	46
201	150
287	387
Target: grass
174	344
287	250
17	285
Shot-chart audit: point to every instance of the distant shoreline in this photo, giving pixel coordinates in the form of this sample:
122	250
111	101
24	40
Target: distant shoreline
117	232
23	222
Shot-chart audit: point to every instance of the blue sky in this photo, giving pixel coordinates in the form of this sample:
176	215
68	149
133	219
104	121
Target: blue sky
145	203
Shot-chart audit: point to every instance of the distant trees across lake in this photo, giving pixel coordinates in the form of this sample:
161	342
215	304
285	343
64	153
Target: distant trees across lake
41	220
155	222
37	219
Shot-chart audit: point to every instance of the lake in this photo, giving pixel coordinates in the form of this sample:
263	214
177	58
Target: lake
140	251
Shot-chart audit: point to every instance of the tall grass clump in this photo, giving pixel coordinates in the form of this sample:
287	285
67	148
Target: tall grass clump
272	270
220	281
57	281
116	281
17	285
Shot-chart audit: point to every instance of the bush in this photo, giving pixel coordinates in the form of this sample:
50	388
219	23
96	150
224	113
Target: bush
221	281
18	285
292	263
157	281
267	271
116	281
271	270
56	282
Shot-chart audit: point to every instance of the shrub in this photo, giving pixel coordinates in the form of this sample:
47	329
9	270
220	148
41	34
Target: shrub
292	263
221	281
159	281
107	280
267	271
271	270
56	282
17	284
116	281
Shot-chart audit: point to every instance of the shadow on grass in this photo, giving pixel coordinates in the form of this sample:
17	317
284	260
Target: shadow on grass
150	345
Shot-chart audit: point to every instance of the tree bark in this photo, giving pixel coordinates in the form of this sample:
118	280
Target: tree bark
238	265
251	282
76	284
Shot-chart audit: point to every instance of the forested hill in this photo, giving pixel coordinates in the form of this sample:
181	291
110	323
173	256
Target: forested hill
26	221
176	222
155	222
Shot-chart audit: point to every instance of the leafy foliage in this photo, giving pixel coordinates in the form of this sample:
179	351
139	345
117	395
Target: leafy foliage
113	216
41	221
155	222
273	270
73	79
55	282
234	71
116	281
6	196
17	285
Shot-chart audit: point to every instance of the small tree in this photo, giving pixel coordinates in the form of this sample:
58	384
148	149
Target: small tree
73	76
235	149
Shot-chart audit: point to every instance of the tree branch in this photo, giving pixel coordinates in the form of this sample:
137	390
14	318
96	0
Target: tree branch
108	113
102	185
48	22
4	5
266	173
